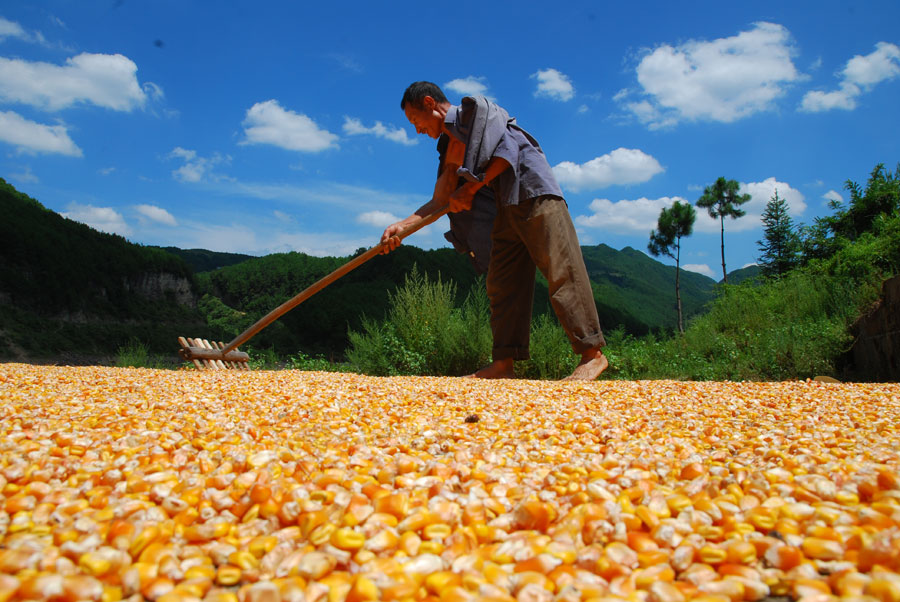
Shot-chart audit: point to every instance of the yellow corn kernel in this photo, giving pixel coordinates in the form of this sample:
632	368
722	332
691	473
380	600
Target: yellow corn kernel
431	547
261	545
740	552
713	555
678	502
363	589
244	560
322	534
647	517
437	531
347	539
143	539
228	574
435	583
885	590
822	549
200	571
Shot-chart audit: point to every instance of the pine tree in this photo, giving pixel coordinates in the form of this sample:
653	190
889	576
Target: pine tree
673	224
722	200
781	244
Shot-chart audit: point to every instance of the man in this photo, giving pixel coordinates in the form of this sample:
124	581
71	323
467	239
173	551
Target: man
532	228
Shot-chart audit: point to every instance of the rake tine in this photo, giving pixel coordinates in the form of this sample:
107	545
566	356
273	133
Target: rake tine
212	355
219	364
236	365
230	364
210	364
185	343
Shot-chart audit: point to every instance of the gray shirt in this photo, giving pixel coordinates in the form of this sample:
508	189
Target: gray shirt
529	175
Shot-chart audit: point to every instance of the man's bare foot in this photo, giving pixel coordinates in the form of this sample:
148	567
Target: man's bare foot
592	365
496	369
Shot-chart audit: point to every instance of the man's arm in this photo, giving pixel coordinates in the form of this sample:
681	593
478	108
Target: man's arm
443	188
461	199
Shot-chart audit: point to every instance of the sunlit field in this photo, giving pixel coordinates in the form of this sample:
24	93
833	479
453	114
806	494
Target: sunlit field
287	485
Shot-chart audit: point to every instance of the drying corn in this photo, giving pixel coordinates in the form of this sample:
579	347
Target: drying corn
127	484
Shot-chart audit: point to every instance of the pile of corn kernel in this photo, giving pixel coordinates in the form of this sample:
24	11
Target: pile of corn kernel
135	484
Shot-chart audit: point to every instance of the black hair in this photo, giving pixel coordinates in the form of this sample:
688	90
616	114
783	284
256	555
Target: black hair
417	91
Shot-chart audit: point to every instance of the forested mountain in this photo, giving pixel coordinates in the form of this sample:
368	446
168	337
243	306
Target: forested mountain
202	260
638	292
66	288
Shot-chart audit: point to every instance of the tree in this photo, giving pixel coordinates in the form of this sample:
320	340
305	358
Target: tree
673	224
722	200
780	244
880	199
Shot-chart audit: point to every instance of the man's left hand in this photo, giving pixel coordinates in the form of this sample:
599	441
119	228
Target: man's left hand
461	199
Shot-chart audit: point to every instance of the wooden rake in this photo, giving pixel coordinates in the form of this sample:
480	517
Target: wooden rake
207	355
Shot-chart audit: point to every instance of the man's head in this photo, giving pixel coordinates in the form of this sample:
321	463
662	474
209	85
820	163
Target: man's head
425	107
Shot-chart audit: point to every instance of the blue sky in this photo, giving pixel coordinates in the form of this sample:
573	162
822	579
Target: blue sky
261	127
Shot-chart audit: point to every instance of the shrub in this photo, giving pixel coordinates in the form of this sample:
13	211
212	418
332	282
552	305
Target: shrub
424	332
550	350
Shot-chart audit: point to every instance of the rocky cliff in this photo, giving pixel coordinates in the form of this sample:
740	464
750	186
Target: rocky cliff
162	286
875	355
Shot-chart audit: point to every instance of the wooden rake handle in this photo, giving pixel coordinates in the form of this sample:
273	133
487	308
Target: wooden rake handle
325	281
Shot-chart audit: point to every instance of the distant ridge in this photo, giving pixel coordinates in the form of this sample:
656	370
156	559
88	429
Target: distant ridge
202	260
65	287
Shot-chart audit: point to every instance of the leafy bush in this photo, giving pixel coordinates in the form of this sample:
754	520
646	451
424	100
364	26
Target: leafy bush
136	354
424	332
793	327
550	350
133	354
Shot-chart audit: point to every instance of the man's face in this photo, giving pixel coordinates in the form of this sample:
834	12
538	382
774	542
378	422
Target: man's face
425	119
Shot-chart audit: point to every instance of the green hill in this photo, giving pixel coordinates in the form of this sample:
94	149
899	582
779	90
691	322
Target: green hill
67	290
638	292
748	273
201	260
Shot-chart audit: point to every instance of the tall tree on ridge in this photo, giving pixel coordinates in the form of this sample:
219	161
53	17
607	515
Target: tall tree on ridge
722	200
673	224
780	245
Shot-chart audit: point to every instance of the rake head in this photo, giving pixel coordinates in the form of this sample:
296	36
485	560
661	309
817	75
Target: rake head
208	355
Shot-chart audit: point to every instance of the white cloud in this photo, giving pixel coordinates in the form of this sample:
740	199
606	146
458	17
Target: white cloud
860	74
639	215
196	168
31	138
844	98
156	214
105	219
553	84
105	80
721	80
380	219
281	216
881	65
760	194
468	86
354	127
833	196
699	268
620	167
11	29
268	123
26	176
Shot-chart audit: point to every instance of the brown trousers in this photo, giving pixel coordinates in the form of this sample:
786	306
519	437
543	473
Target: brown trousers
538	232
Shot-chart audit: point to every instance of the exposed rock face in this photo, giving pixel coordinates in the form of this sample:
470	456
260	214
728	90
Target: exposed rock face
875	355
161	286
